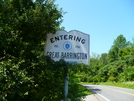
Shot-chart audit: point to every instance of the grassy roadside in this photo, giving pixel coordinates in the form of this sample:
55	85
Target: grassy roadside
84	90
81	92
129	85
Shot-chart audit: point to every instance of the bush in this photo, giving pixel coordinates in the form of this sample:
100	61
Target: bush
111	79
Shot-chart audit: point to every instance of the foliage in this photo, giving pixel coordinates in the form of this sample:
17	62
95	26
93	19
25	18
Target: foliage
116	66
126	52
77	92
113	54
30	83
103	58
25	74
119	43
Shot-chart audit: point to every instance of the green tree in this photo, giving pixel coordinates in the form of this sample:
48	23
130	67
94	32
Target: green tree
103	58
132	43
126	52
119	43
113	54
25	74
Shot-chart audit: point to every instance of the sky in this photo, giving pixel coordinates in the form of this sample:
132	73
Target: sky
103	20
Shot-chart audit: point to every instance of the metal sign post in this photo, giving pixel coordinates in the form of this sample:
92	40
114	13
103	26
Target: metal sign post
65	83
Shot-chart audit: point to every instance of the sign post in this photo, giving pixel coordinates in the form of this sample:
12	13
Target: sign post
65	83
71	46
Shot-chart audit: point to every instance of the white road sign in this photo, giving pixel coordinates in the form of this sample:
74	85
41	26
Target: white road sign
71	46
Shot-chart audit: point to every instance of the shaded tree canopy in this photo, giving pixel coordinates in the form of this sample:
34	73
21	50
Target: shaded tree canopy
24	71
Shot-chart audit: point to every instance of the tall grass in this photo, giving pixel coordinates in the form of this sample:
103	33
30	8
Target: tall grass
129	84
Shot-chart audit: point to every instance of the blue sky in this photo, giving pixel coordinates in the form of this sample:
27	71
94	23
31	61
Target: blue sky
103	20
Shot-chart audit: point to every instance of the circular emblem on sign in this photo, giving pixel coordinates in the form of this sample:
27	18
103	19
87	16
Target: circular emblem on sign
67	45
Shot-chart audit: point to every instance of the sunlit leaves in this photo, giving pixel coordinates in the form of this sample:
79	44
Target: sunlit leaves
116	66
